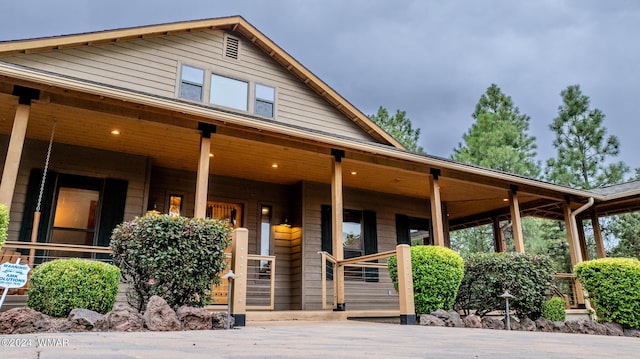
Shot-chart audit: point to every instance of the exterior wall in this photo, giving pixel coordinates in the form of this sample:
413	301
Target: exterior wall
359	295
252	195
151	65
77	161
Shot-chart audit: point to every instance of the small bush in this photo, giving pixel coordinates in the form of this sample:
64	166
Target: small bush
437	272
177	258
613	287
554	310
487	275
4	223
61	285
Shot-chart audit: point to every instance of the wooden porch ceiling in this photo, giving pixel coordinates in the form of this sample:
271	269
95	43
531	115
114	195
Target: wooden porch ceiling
174	142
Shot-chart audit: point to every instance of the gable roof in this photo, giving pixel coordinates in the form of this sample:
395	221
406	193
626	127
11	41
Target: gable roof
233	23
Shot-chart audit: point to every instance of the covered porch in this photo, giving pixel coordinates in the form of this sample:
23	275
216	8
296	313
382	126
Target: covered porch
276	176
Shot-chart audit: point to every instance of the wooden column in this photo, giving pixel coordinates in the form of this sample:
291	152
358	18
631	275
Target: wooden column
202	179
239	252
597	235
582	242
498	237
516	221
405	285
573	249
436	209
14	153
336	223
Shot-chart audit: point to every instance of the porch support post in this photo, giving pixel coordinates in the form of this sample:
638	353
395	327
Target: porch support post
498	237
436	208
582	242
14	153
516	221
573	250
597	235
202	177
405	285
239	252
336	221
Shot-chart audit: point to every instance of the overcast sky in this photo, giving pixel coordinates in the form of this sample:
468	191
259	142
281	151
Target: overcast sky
433	59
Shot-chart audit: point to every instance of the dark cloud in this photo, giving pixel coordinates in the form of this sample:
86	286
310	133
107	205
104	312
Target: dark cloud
431	58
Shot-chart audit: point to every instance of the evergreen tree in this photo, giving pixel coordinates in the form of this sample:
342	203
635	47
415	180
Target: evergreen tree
399	127
582	145
498	139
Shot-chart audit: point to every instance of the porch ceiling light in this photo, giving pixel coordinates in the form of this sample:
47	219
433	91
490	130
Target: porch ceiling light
505	200
115	132
353	173
275	165
210	154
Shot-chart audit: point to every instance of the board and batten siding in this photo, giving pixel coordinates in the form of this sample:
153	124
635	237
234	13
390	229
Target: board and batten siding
251	195
78	161
151	65
358	294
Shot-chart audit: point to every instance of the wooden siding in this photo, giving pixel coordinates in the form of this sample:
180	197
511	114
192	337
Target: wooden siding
286	243
151	65
78	161
359	295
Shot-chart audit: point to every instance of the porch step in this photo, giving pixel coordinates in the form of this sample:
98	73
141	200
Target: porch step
318	315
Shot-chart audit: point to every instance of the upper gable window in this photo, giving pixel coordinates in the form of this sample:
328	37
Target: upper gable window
229	92
191	83
265	98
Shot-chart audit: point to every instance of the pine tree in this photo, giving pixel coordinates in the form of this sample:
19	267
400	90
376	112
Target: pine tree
399	127
498	139
582	145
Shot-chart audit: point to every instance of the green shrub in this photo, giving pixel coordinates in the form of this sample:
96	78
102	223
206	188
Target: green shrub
177	258
554	310
437	272
613	287
4	223
61	285
487	275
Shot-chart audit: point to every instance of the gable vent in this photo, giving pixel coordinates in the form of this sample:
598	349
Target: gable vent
231	46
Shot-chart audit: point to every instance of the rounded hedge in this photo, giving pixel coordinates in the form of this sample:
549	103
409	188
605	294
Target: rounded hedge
437	272
61	285
487	275
176	258
554	309
613	287
4	223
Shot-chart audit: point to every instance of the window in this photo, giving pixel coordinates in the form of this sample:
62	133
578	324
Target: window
229	92
265	98
359	238
191	83
265	236
413	230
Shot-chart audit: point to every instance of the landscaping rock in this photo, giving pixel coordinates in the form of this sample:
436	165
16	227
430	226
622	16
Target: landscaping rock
515	324
613	329
23	320
124	318
560	327
83	320
159	316
454	320
194	318
527	325
472	321
442	314
219	320
431	321
594	328
491	323
631	333
544	325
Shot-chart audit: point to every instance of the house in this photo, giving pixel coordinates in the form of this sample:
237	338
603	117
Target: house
210	118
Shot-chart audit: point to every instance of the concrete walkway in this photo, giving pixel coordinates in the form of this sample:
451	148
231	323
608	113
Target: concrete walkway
344	339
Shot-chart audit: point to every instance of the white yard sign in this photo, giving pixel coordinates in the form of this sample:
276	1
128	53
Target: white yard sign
12	275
